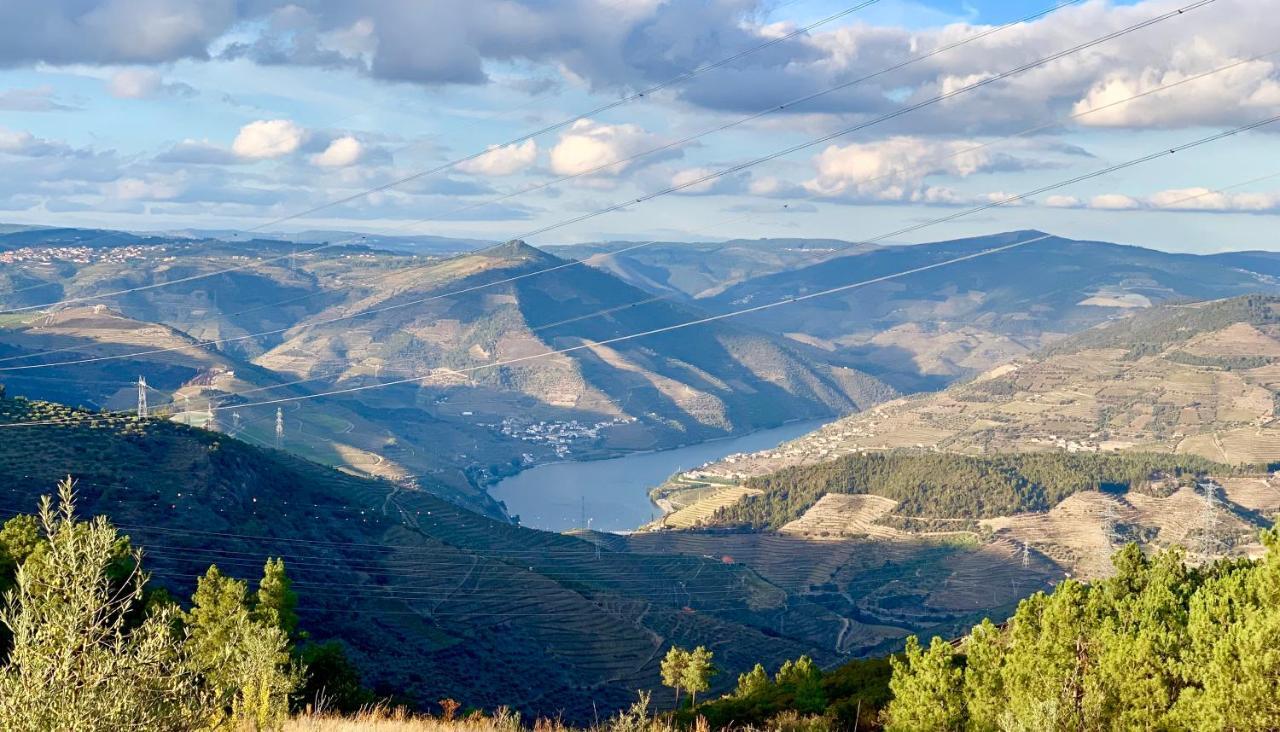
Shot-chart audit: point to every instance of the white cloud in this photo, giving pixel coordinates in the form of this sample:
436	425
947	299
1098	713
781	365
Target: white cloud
141	83
895	169
134	83
340	153
1114	202
503	159
1062	202
588	145
268	139
137	189
1221	99
1179	199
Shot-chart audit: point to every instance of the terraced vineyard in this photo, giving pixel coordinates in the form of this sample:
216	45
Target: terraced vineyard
434	600
1192	379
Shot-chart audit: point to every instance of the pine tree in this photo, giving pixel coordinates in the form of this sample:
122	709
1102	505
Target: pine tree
698	672
983	687
673	668
752	682
276	598
245	662
928	689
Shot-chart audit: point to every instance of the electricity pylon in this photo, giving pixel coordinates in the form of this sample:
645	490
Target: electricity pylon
142	396
279	428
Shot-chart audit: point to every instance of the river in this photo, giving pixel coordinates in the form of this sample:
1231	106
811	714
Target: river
616	491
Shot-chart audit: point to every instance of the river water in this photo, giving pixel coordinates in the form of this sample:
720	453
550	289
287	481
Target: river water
616	491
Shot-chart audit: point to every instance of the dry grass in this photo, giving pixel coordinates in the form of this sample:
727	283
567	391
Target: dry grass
385	719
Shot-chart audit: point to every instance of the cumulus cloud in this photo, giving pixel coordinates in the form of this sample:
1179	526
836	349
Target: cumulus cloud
266	139
609	46
112	31
141	83
502	160
1063	202
1114	202
341	152
896	169
588	145
23	144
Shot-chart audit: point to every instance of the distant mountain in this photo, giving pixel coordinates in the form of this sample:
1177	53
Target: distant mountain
926	330
691	270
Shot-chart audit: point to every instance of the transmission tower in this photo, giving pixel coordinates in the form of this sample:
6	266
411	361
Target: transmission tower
1026	555
1112	527
211	422
279	428
142	397
235	424
186	409
1209	522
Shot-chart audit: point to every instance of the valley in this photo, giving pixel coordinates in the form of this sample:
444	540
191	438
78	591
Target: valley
765	494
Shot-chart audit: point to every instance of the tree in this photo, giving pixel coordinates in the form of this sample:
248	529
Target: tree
983	688
752	682
804	678
76	663
245	662
698	672
673	668
276	598
927	689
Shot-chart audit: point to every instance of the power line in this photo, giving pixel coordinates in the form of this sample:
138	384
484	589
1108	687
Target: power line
570	120
743	166
808	296
789	300
769	110
698	71
863	125
887	174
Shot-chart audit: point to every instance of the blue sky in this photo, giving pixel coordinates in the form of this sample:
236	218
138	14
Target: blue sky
222	114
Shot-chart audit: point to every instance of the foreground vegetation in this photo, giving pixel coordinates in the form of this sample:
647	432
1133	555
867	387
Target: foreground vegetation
1160	645
947	486
89	645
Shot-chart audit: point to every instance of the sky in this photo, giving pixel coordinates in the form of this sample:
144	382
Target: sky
233	114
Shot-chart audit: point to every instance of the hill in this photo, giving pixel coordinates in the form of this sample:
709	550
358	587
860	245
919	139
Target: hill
435	601
932	328
438	326
1196	379
1065	452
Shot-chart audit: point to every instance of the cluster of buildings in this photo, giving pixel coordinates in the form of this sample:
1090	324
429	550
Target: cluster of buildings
560	436
77	255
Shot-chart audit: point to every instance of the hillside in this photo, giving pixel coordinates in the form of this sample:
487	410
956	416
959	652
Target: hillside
438	601
438	324
1067	452
1195	379
932	328
435	601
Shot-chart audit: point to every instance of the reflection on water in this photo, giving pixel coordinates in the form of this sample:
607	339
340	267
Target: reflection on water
615	492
